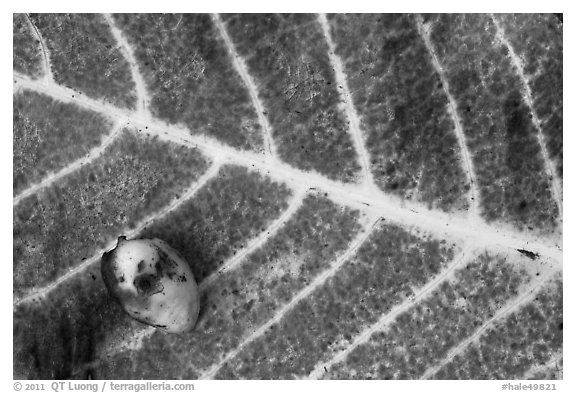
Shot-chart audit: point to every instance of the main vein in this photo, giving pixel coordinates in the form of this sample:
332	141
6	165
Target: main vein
385	205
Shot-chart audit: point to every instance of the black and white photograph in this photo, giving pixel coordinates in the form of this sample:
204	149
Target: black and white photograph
280	196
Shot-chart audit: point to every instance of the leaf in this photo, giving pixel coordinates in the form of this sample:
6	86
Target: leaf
368	196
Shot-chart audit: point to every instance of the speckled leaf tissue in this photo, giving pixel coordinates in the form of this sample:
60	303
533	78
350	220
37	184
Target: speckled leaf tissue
360	196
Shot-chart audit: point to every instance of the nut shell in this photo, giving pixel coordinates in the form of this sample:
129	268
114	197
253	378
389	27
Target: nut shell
152	283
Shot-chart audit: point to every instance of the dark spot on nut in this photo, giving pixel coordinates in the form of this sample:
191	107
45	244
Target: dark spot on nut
142	284
148	284
159	271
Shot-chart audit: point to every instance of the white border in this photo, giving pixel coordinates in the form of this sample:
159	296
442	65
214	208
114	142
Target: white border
303	6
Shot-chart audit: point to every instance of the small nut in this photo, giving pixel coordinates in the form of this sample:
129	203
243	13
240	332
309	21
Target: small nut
152	283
